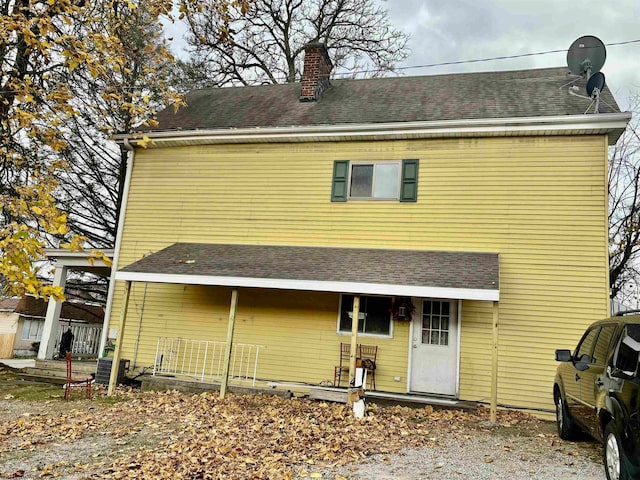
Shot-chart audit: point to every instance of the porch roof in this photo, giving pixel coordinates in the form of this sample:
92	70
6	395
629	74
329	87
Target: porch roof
419	273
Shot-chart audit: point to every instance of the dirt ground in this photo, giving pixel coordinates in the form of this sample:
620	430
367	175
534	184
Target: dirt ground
177	435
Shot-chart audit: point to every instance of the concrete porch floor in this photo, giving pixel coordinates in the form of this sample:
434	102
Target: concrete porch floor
287	390
18	362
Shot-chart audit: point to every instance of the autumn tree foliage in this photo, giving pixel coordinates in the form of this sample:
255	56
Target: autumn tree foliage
266	43
624	211
90	190
69	68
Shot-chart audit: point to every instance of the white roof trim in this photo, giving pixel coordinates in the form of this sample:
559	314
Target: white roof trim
66	258
315	286
553	125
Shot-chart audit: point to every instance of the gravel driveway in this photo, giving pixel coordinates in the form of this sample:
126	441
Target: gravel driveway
174	435
486	456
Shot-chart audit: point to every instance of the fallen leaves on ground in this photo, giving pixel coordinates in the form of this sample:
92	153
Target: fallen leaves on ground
240	437
265	437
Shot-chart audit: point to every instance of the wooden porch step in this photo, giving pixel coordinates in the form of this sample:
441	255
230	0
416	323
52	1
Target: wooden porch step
77	366
328	395
55	372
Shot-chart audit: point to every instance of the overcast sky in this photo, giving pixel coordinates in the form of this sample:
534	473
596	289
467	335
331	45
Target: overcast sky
454	30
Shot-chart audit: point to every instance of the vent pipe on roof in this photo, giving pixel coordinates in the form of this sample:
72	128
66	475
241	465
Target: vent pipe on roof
315	76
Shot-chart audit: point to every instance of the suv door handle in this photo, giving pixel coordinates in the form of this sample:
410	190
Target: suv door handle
577	377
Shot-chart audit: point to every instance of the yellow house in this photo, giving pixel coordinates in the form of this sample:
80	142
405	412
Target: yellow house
467	213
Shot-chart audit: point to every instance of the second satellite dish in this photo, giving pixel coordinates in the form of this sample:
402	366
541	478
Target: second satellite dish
586	55
595	82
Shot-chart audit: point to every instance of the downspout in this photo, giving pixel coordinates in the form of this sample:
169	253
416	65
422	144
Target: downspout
116	252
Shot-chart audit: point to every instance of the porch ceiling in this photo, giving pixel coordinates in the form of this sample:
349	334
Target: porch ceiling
420	273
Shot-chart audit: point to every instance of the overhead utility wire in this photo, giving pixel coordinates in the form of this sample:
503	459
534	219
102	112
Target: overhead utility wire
478	60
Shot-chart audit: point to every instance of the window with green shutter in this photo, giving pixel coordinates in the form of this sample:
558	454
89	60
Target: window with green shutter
380	180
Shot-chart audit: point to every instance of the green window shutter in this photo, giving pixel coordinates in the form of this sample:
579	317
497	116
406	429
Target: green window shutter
340	181
409	187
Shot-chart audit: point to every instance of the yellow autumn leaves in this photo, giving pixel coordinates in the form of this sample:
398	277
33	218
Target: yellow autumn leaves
49	50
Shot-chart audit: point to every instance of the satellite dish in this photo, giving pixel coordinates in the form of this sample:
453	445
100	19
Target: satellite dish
596	81
586	55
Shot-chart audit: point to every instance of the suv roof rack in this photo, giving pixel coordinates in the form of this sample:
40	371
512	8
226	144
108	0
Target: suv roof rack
626	312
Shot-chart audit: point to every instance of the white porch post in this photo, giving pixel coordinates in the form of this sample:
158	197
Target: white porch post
227	358
115	366
52	318
353	354
494	365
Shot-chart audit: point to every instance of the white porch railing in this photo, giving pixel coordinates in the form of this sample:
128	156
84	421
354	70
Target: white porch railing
204	359
86	339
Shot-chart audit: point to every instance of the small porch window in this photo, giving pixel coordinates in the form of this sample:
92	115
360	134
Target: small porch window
374	317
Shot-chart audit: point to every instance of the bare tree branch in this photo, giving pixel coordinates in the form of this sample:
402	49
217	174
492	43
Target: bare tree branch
624	209
266	44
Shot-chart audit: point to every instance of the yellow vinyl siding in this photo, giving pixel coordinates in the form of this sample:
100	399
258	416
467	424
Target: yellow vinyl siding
296	329
475	354
540	202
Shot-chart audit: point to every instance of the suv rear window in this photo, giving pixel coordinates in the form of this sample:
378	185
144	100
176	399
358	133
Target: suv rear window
628	351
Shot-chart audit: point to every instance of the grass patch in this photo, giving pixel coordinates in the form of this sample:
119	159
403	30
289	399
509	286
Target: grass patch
29	391
104	400
13	388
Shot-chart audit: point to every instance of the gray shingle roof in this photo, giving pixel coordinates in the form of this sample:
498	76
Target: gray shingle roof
487	95
464	270
9	304
37	307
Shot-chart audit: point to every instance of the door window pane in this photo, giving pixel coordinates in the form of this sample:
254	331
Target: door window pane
435	322
435	308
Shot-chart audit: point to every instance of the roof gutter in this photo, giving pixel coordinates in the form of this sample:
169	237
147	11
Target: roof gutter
612	124
116	251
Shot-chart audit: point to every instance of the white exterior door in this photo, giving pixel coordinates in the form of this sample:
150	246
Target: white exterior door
434	347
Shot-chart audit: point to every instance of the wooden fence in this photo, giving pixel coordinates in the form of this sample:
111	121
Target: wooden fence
7	340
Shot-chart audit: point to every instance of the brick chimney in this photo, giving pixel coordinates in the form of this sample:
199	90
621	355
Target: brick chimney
317	67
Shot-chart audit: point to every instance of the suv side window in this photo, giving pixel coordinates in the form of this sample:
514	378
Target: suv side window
627	352
583	352
601	349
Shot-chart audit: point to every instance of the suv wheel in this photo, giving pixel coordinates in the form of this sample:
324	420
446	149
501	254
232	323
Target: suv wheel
614	461
566	428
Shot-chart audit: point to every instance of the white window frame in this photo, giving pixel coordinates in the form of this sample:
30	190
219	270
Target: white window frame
373	180
363	334
27	326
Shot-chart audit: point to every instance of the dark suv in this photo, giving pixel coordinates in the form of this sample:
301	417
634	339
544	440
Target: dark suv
597	389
